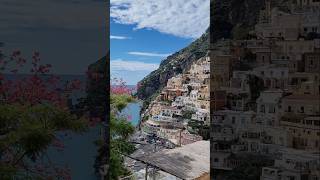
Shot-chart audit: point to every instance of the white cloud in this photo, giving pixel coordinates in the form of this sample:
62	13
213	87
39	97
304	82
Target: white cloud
119	37
148	54
122	65
183	18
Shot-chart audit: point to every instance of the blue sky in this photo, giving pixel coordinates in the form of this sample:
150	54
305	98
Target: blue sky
146	46
69	34
142	33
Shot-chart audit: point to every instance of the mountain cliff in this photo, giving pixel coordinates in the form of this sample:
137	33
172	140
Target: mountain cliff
172	65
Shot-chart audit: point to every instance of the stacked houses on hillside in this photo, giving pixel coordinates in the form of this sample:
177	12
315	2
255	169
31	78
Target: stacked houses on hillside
185	98
265	95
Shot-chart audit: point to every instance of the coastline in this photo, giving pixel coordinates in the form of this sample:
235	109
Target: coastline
138	127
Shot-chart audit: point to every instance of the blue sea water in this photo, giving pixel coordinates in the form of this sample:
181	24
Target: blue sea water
133	110
79	154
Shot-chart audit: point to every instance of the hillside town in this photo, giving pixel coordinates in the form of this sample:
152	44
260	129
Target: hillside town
265	97
176	121
184	99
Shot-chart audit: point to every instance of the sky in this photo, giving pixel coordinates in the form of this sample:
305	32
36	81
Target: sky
69	34
145	32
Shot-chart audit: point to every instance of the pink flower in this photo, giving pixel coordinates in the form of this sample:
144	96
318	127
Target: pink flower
118	86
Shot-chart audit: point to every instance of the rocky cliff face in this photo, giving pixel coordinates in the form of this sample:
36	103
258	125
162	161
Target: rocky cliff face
173	65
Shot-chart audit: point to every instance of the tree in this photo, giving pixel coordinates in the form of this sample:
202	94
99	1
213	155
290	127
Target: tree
32	111
256	86
198	127
187	114
120	131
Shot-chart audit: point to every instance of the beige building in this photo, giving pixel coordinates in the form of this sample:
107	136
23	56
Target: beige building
296	80
305	131
292	53
155	107
221	68
308	87
301	104
175	82
312	62
293	165
278	24
274	76
274	23
308	2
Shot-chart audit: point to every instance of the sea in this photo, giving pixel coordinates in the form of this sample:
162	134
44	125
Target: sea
133	110
79	150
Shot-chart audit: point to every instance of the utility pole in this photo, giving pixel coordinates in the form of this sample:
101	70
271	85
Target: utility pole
146	175
180	137
154	174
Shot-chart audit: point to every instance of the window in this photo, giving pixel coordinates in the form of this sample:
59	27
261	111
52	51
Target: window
291	178
242	121
289	108
262	109
216	160
301	109
290	48
272	109
233	120
313	29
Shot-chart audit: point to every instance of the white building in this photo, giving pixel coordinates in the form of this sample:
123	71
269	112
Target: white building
293	165
202	115
268	109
